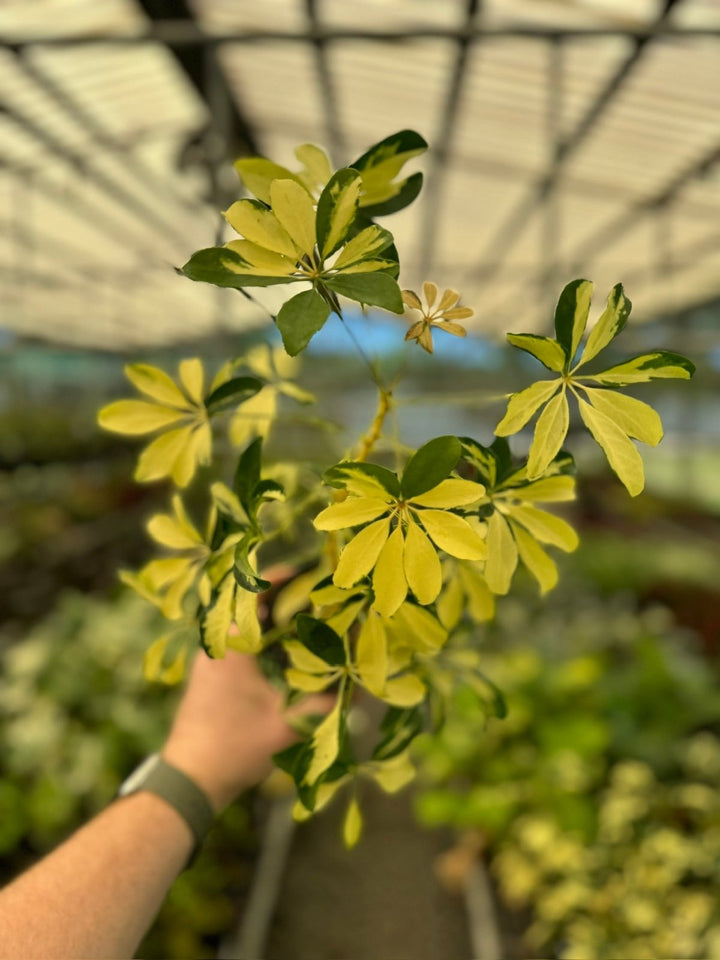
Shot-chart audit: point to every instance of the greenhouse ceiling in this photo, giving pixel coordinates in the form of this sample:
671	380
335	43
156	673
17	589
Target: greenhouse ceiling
568	138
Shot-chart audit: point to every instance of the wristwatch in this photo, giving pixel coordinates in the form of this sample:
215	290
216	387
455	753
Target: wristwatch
175	788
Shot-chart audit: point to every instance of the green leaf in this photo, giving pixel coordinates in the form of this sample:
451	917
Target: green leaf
399	727
352	824
336	210
547	351
635	418
659	365
232	393
321	640
245	575
571	315
247	474
336	476
377	289
550	431
612	320
522	406
621	452
225	268
257	174
430	464
300	319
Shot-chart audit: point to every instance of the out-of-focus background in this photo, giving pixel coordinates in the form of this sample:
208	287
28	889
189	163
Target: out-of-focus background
567	138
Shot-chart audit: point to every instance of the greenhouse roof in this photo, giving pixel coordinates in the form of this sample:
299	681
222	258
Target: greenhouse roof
568	138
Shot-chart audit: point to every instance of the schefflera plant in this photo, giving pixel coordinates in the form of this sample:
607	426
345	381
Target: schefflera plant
404	564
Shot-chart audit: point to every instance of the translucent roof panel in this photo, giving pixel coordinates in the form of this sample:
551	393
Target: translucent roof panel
567	138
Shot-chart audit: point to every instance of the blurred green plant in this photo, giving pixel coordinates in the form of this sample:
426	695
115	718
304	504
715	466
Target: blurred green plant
76	714
597	798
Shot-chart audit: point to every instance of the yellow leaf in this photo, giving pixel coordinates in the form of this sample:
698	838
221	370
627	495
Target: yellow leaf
550	431
352	824
326	744
345	200
453	534
309	682
522	406
295	595
317	166
192	378
362	245
418	628
371	653
303	659
540	565
350	513
175	671
325	793
619	448
158	573
346	617
405	691
392	775
293	207
218	619
196	451
635	418
480	599
545	490
359	556
152	663
157	384
158	459
322	596
451	493
248	638
422	566
254	417
362	485
135	417
172	602
389	583
546	527
169	532
450	603
262	262
261	227
430	292
502	555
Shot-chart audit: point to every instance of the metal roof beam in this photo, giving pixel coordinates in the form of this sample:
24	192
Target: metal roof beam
70	104
177	34
169	17
335	137
502	242
145	213
437	172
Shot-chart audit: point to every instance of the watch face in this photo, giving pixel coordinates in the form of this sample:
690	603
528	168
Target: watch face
138	776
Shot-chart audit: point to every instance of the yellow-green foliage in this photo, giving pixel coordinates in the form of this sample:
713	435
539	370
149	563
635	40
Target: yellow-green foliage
402	561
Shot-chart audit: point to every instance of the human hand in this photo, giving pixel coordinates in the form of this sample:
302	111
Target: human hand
229	723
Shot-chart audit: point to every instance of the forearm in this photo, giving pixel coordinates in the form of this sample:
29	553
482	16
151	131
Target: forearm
97	894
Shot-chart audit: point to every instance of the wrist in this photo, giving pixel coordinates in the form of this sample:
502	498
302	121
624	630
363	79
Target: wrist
209	779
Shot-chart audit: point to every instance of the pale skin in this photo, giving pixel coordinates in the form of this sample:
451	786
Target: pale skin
97	894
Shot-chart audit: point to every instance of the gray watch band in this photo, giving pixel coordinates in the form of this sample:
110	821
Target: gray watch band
177	789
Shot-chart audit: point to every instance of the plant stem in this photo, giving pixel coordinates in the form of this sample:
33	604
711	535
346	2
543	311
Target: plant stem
373	434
